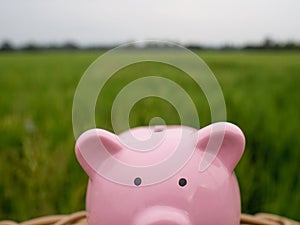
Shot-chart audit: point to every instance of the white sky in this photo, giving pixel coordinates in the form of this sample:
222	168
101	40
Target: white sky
211	22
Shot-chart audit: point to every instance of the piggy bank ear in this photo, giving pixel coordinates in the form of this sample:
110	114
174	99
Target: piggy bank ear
93	147
222	140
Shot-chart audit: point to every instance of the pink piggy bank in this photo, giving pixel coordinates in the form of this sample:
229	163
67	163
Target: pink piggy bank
162	175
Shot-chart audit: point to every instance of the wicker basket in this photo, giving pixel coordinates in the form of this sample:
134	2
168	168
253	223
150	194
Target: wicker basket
79	218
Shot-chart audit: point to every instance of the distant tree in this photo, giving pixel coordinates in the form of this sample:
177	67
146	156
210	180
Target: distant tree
30	47
250	47
228	47
69	46
6	46
290	45
194	47
268	43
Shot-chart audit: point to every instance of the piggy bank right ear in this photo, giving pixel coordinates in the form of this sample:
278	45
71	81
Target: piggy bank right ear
221	140
93	147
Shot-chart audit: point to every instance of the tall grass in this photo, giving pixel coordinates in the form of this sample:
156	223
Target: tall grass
39	174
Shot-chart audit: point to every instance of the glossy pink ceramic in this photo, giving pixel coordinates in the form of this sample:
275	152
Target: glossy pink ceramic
186	197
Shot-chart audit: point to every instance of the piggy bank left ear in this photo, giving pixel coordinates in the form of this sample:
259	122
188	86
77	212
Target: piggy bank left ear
222	140
94	147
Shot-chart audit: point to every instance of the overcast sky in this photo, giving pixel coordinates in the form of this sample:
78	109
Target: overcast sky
211	22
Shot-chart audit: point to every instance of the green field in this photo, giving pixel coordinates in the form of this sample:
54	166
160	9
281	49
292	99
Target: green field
39	174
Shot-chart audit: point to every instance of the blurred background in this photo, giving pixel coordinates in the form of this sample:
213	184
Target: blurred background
253	48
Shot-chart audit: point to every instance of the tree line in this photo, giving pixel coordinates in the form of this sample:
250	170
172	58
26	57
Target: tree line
267	44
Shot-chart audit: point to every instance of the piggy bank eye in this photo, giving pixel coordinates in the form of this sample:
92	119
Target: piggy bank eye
137	181
182	182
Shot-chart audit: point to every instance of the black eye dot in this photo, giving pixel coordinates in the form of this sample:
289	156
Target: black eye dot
137	181
182	182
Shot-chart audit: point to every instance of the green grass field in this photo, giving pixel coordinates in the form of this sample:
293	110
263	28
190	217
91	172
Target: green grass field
39	174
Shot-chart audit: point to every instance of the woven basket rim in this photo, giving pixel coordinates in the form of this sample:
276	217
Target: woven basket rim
79	218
